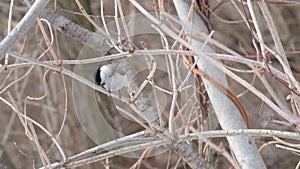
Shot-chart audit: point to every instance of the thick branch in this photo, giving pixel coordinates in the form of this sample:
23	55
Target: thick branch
227	112
76	32
23	26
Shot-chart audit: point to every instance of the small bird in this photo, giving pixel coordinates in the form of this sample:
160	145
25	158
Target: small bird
109	78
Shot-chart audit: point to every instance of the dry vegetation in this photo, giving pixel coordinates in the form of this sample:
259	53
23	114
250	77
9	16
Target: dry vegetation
44	108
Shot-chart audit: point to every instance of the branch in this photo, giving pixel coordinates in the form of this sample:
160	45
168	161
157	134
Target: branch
76	32
227	112
23	26
142	104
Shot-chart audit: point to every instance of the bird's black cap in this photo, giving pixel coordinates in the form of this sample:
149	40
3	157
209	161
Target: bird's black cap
97	76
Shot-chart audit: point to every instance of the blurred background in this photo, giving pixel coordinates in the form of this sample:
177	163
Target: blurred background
55	110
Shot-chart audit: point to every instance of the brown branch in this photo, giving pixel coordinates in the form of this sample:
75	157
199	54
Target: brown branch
236	101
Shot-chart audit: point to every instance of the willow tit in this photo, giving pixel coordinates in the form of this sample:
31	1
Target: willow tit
109	78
